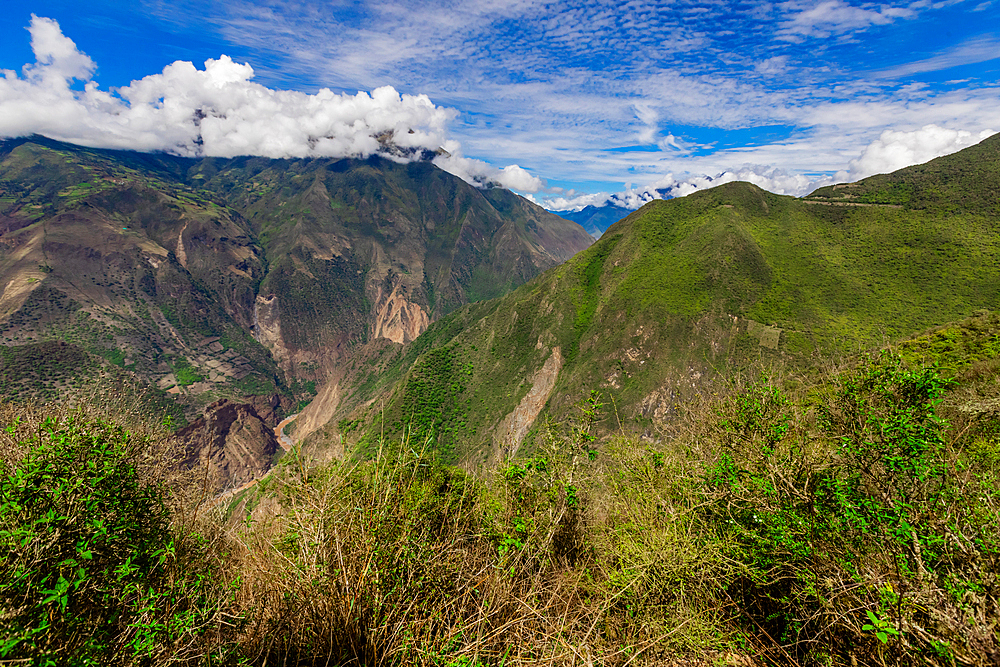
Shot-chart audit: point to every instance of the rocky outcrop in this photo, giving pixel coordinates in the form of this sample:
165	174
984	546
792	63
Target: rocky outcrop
267	328
233	440
271	409
515	426
397	319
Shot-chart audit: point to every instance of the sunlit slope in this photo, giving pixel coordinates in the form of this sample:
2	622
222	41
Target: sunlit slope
110	252
249	276
685	288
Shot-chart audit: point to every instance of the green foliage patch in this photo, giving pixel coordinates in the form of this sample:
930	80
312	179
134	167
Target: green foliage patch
91	570
864	518
185	372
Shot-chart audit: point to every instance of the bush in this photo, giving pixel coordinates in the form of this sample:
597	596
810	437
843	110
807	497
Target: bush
92	571
859	532
850	524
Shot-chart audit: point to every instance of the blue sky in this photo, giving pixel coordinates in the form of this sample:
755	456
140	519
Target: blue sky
588	98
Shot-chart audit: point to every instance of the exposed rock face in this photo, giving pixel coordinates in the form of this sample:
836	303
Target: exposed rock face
397	319
515	426
24	261
267	327
236	443
269	408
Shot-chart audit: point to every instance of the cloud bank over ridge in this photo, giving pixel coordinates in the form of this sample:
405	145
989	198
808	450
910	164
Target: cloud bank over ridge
894	150
219	111
891	151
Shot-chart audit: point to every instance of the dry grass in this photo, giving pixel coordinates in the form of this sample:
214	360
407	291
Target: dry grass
749	534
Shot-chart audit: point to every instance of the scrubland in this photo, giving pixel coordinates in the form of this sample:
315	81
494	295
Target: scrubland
843	517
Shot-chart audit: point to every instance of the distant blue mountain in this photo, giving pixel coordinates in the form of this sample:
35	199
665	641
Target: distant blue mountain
596	219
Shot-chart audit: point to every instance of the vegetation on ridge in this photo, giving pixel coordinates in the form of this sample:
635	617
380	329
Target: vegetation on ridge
682	292
848	519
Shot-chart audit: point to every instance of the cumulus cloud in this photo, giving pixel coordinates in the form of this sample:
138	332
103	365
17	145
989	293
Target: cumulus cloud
481	174
215	111
575	202
219	111
894	149
56	56
514	177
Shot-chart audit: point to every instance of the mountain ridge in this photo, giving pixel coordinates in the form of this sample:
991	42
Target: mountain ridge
683	291
234	278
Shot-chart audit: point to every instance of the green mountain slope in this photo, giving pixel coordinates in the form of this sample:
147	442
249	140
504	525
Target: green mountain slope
226	278
131	265
686	288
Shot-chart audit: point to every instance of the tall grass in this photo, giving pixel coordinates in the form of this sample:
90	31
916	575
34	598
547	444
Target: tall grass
847	524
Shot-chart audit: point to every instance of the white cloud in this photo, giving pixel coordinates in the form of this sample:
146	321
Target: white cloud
891	151
518	106
56	55
551	86
648	117
217	111
769	178
834	17
977	50
573	203
514	177
772	66
894	150
481	174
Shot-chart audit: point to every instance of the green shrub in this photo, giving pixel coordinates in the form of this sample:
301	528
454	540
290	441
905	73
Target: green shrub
186	373
866	508
91	570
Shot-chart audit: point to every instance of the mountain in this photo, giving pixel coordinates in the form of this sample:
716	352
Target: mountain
234	278
682	292
115	254
393	246
596	219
